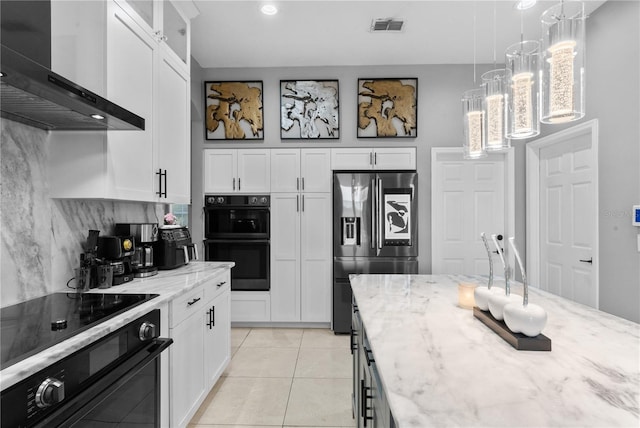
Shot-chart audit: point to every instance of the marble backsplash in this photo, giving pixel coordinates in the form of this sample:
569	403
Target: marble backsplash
42	238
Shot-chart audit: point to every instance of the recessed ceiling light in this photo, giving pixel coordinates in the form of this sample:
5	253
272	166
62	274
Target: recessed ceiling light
525	4
97	116
269	9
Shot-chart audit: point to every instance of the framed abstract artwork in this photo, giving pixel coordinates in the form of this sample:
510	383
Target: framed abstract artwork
234	110
387	108
309	109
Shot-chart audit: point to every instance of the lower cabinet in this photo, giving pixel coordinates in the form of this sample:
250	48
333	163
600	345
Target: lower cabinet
370	406
200	326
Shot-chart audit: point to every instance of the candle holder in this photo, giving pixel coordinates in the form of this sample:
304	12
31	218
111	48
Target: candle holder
466	295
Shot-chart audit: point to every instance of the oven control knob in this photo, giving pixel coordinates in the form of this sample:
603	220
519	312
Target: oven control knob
220	200
263	200
253	201
211	200
50	391
147	331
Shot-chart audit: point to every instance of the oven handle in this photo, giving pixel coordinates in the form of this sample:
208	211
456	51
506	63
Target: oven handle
236	241
95	393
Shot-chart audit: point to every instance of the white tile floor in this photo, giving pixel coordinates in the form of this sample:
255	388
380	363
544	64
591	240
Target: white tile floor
282	377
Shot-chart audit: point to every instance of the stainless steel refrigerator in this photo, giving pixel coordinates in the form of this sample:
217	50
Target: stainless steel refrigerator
375	230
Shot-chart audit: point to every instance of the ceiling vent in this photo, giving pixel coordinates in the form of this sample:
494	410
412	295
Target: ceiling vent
387	25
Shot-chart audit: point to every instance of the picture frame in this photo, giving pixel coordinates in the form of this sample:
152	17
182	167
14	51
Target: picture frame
309	109
387	108
234	110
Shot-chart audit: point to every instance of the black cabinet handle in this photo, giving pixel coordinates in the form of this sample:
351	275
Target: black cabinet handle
355	309
213	316
220	284
366	355
197	299
209	322
164	192
352	343
363	402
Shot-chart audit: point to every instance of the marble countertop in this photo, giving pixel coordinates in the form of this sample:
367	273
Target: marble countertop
440	366
168	284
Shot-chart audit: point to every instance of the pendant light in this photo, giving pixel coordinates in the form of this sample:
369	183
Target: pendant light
523	105
472	113
563	63
473	122
494	83
494	102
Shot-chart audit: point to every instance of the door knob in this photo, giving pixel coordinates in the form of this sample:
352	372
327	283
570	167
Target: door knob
590	261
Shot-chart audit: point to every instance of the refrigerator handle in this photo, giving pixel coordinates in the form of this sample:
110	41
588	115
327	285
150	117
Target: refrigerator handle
379	213
374	212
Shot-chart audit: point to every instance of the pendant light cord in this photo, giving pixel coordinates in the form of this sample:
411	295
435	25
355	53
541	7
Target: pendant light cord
474	42
495	31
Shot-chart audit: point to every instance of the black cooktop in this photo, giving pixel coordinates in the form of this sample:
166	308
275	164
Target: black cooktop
32	326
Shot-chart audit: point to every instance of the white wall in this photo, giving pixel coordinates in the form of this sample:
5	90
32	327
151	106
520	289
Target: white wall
613	97
612	80
440	89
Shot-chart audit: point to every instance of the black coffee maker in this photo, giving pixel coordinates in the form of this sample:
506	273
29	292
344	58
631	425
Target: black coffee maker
117	251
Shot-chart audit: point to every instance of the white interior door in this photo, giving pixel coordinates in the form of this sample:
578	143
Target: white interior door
469	197
566	209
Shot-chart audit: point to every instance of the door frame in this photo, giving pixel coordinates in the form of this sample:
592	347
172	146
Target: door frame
509	189
533	198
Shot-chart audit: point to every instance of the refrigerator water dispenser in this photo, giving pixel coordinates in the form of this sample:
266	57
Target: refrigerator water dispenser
350	230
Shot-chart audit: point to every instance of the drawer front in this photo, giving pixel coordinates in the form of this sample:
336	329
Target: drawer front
217	285
186	305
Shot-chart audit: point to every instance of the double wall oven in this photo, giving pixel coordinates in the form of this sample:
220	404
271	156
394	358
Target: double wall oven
237	228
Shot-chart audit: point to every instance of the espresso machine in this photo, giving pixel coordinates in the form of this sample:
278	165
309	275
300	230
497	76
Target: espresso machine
145	235
117	252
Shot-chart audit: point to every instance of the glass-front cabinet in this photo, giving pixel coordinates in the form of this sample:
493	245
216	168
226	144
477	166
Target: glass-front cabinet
166	23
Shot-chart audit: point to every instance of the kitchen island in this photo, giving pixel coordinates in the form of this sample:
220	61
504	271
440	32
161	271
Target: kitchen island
440	366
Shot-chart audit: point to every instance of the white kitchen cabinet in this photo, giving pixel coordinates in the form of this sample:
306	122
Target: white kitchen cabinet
173	148
304	170
187	366
217	321
200	327
301	257
250	306
396	158
150	165
237	171
165	21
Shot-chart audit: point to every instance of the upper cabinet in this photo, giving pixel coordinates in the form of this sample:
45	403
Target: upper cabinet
166	22
104	46
301	170
237	171
397	158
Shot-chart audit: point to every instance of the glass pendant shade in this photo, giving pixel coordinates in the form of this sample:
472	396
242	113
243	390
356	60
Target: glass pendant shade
494	103
523	102
563	63
473	123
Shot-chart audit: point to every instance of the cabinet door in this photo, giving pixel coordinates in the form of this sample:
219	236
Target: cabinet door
285	170
315	170
285	257
315	255
175	32
220	171
395	158
173	137
187	384
130	65
344	159
217	340
254	171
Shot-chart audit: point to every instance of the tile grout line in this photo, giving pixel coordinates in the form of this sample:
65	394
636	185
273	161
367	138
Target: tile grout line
293	376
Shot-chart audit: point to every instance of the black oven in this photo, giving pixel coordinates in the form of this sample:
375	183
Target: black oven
114	381
237	229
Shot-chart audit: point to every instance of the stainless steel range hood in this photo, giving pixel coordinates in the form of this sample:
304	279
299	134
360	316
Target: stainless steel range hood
32	93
